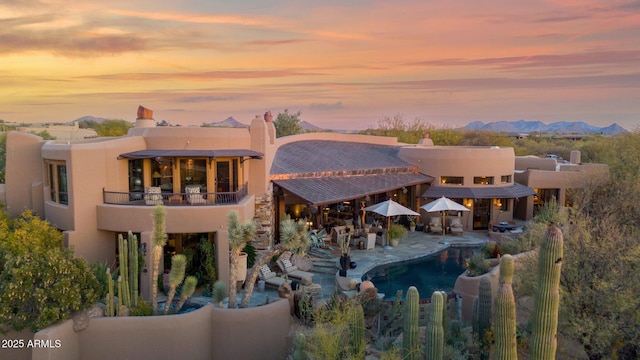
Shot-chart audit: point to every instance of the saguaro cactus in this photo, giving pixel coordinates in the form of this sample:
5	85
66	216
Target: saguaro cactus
434	347
506	347
484	316
356	328
134	270
110	295
411	335
547	298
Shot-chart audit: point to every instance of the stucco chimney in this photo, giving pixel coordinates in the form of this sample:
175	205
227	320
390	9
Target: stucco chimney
145	118
574	158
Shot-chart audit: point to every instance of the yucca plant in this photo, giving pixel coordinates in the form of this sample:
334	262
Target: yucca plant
159	238
178	266
239	235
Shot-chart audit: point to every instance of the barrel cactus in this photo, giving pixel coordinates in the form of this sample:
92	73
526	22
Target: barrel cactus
547	299
506	347
434	347
411	335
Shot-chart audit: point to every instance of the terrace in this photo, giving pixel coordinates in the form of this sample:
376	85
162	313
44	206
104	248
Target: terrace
136	198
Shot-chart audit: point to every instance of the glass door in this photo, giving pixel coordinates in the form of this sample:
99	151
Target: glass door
481	214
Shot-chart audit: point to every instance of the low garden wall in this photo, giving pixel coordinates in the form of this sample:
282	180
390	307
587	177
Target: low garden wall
467	286
207	333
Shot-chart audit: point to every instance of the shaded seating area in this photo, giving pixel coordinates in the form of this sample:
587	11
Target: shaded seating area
270	278
435	225
153	196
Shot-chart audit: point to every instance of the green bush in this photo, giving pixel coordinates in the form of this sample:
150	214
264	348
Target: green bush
42	288
478	265
142	308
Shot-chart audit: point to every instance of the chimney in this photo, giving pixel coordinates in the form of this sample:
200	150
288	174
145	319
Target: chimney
145	117
574	157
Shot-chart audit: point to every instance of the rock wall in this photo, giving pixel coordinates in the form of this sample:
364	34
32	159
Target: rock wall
264	218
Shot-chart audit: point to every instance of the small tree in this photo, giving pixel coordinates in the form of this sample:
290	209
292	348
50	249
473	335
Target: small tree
288	124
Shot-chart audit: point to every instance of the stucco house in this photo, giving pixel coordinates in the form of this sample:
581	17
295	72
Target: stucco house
94	189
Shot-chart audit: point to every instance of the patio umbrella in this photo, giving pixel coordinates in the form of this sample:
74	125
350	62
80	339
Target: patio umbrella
390	208
443	204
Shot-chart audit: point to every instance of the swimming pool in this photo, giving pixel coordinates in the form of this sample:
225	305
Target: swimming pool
438	271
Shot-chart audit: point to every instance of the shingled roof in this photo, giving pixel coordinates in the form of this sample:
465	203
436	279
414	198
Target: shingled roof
325	156
324	172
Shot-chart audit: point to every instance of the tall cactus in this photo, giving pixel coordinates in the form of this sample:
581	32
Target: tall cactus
110	295
484	316
159	240
506	347
178	266
411	335
547	298
445	315
123	253
134	268
356	328
434	347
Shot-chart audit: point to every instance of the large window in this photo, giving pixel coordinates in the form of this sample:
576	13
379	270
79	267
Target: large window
452	180
57	181
483	180
194	172
136	176
162	174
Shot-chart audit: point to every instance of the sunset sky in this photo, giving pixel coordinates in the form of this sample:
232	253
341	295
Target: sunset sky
343	64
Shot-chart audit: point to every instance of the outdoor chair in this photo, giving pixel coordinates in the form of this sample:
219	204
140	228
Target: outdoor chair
194	196
435	226
153	196
455	226
270	278
292	271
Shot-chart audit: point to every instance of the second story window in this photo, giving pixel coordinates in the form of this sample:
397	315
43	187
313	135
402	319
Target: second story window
483	180
452	180
505	179
57	181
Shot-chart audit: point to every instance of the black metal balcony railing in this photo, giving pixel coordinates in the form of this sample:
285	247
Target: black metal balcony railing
174	199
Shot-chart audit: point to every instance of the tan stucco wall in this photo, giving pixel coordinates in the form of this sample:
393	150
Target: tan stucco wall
24	170
206	333
465	161
15	351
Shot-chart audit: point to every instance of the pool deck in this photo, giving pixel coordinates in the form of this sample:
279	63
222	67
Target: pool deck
414	245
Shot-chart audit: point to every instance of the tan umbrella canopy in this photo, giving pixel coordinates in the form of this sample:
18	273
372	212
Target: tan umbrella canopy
443	204
390	208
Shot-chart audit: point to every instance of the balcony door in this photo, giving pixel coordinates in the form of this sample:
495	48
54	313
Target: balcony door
481	214
227	175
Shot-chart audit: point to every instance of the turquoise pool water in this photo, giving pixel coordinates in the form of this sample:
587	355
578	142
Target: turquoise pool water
437	271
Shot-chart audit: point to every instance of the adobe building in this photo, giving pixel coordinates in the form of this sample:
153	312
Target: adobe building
95	189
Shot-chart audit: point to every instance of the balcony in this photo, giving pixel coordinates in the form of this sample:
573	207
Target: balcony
174	199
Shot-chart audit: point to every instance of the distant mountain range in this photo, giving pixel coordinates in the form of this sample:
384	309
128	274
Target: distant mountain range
532	127
228	122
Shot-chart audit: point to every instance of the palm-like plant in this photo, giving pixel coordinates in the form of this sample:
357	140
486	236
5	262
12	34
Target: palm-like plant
159	238
294	235
239	235
178	266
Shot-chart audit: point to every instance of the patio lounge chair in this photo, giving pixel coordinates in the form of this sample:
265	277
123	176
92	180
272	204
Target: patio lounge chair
270	278
435	225
292	271
194	196
153	196
456	226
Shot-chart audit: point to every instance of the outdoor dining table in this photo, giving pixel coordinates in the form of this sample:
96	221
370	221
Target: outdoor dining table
503	226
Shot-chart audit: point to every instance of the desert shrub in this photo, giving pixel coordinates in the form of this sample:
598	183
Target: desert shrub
39	289
141	309
478	265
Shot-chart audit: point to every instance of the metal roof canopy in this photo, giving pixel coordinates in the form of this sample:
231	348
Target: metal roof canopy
333	189
493	192
150	154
